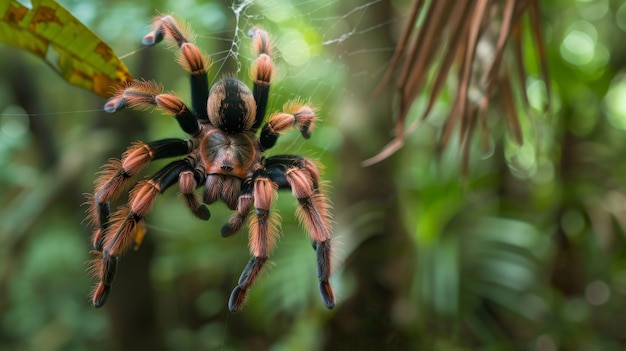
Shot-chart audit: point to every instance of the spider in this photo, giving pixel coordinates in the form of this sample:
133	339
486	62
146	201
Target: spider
223	154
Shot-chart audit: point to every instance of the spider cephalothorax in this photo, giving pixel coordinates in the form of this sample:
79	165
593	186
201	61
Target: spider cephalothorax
223	155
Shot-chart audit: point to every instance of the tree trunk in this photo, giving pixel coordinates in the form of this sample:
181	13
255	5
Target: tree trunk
367	203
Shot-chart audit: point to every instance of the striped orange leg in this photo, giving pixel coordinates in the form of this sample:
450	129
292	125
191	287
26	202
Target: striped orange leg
124	231
263	233
261	71
296	114
191	58
141	94
117	175
302	177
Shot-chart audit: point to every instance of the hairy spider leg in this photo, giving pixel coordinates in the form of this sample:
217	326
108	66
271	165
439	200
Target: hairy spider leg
261	71
302	176
190	57
121	235
295	114
114	234
263	234
117	175
139	94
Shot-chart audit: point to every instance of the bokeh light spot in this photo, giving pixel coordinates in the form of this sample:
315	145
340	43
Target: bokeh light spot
614	103
578	48
597	293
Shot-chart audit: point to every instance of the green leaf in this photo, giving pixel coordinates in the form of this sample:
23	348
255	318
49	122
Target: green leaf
51	32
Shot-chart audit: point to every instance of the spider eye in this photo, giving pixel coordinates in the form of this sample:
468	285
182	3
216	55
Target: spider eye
231	106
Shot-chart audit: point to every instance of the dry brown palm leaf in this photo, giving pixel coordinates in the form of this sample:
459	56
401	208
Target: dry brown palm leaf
470	37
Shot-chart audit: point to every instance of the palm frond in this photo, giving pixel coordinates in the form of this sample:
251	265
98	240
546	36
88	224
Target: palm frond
475	46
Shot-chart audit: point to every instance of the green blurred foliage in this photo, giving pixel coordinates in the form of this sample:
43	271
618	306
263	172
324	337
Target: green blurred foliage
526	252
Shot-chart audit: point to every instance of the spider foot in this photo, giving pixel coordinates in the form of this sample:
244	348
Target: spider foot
327	294
100	295
104	267
97	239
187	185
261	42
228	230
248	276
233	225
160	25
202	212
237	299
323	273
138	93
154	37
115	104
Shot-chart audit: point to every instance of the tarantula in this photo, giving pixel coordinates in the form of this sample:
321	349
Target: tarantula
223	154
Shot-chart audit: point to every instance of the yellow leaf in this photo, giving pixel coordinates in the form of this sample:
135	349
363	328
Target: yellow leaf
51	32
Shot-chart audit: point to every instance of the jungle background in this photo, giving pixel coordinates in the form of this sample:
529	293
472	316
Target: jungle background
492	243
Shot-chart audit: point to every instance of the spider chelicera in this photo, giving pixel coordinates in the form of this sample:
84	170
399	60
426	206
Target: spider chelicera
223	154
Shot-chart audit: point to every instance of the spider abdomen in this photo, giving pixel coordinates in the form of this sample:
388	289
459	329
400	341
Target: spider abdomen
231	106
